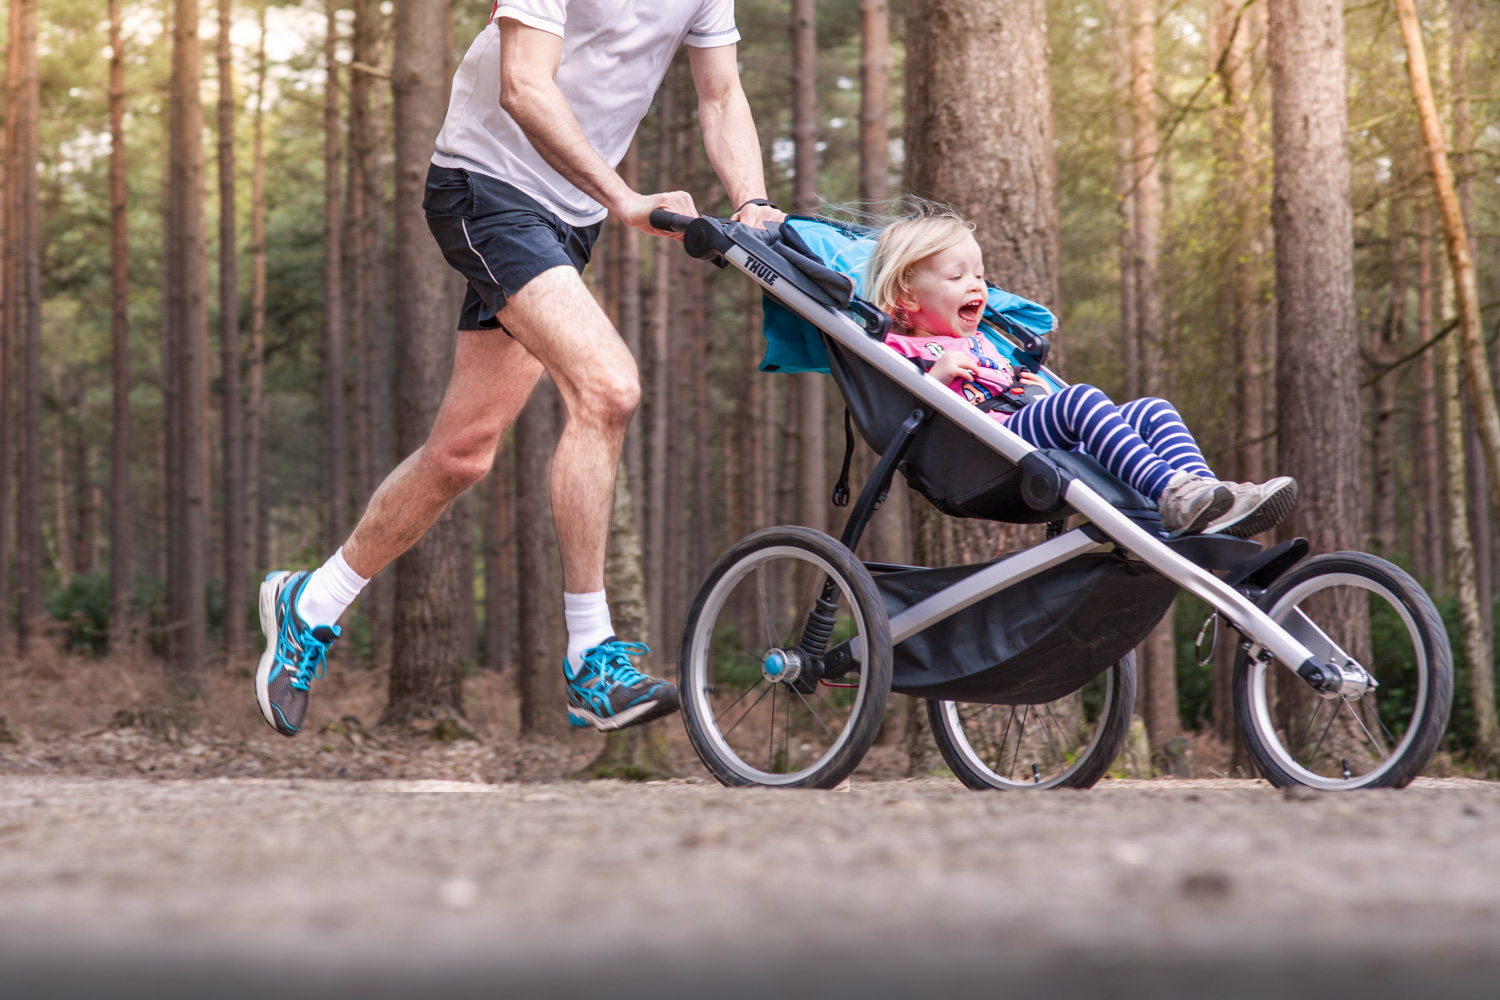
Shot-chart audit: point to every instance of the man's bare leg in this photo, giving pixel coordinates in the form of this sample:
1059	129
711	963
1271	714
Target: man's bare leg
559	322
493	376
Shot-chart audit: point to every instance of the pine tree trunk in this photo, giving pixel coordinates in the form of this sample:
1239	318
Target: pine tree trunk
9	310
1146	181
1318	410
119	339
1428	462
229	357
1460	256
368	304
336	428
1390	337
541	640
27	289
1124	178
257	530
426	680
626	266
499	534
664	261
186	358
812	447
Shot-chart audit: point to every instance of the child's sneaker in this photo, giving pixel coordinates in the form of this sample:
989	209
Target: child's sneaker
1190	502
608	692
1257	507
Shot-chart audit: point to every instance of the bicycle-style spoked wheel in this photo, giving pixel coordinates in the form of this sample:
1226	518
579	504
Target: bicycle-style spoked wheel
1378	615
1067	743
760	703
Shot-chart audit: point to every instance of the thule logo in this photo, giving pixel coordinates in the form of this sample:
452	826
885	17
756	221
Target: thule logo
761	270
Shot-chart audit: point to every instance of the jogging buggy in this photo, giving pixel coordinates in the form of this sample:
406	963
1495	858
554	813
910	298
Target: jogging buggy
1343	677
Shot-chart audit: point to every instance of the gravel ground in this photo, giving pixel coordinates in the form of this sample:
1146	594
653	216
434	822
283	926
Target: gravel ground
241	886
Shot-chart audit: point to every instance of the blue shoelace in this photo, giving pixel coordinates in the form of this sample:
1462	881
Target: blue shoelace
612	661
312	663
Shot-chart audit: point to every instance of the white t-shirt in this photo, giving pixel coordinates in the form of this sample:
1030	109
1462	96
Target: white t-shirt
615	53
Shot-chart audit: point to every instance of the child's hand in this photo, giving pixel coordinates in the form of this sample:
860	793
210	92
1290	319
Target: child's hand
1032	378
952	365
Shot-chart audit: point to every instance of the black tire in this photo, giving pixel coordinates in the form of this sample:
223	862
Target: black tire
798	560
953	722
1400	613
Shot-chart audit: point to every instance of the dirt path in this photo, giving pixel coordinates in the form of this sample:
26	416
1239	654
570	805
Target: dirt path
273	887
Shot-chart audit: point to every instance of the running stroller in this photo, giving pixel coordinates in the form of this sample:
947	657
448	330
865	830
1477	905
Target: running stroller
792	645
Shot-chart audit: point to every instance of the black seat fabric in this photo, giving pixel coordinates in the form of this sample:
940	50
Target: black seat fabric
948	465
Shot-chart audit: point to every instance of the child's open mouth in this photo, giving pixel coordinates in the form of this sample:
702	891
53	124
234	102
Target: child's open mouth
970	311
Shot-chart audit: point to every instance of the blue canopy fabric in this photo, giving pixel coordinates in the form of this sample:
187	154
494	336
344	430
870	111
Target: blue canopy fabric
794	345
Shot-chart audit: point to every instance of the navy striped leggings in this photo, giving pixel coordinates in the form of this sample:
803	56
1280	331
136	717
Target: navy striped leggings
1143	442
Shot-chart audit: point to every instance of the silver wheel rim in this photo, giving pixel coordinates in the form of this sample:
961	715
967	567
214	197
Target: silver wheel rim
696	684
1260	708
953	725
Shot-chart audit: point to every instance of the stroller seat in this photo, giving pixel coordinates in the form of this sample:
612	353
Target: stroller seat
958	475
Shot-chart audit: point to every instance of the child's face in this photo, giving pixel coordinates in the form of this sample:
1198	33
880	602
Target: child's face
947	291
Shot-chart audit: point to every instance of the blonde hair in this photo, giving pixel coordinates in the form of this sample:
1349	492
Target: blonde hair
903	244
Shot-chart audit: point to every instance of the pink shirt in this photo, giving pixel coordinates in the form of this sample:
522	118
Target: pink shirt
995	375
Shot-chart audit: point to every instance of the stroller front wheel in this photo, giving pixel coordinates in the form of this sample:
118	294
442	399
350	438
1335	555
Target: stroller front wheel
785	663
1068	743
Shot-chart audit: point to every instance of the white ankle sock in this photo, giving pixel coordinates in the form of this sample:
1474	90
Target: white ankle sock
332	587
588	623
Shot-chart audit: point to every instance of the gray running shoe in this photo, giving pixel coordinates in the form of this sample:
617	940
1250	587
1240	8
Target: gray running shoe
1257	507
1190	502
296	653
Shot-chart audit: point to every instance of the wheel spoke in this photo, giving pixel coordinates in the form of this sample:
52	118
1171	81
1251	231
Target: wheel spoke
1045	733
749	710
1000	744
1373	742
814	713
1060	730
771	743
765	607
1020	742
742	697
1314	755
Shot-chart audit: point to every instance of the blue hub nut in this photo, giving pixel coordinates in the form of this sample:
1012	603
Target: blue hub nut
781	666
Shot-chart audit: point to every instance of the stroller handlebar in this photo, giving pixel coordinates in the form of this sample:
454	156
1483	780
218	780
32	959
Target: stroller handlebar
669	221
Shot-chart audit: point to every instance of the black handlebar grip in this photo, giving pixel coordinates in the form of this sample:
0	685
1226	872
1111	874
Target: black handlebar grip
669	221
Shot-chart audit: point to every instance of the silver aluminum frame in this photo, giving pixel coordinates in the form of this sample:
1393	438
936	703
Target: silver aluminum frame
1259	629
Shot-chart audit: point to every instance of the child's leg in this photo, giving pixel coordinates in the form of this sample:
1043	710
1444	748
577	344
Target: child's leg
1160	425
1082	415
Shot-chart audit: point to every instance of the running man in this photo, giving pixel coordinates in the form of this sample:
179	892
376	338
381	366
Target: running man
544	106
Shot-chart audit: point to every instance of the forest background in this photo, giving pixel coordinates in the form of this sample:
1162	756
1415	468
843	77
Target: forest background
224	320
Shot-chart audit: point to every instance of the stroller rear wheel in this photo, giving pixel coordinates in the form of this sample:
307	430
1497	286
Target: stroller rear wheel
1382	618
1068	743
761	701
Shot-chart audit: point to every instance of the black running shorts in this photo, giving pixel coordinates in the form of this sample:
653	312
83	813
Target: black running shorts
498	238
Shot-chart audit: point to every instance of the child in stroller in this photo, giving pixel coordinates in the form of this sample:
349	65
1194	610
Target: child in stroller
927	273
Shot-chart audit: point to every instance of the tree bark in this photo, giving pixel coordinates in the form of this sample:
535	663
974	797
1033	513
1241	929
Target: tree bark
626	267
257	535
812	446
541	684
663	262
336	427
1146	182
186	334
229	357
1124	132
10	308
427	642
119	339
1390	336
1428	462
27	290
1460	257
499	533
888	531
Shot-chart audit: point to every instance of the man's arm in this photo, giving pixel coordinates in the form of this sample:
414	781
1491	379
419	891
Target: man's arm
529	58
729	131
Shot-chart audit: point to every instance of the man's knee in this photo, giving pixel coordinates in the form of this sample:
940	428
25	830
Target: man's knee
609	398
454	465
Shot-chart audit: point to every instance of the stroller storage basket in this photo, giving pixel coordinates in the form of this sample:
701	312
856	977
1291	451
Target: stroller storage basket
1031	643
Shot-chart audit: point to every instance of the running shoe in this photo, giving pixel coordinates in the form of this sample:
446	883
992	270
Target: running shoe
1257	507
1190	502
296	652
608	692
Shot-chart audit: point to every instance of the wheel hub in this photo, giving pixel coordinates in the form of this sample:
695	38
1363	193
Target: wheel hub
781	666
